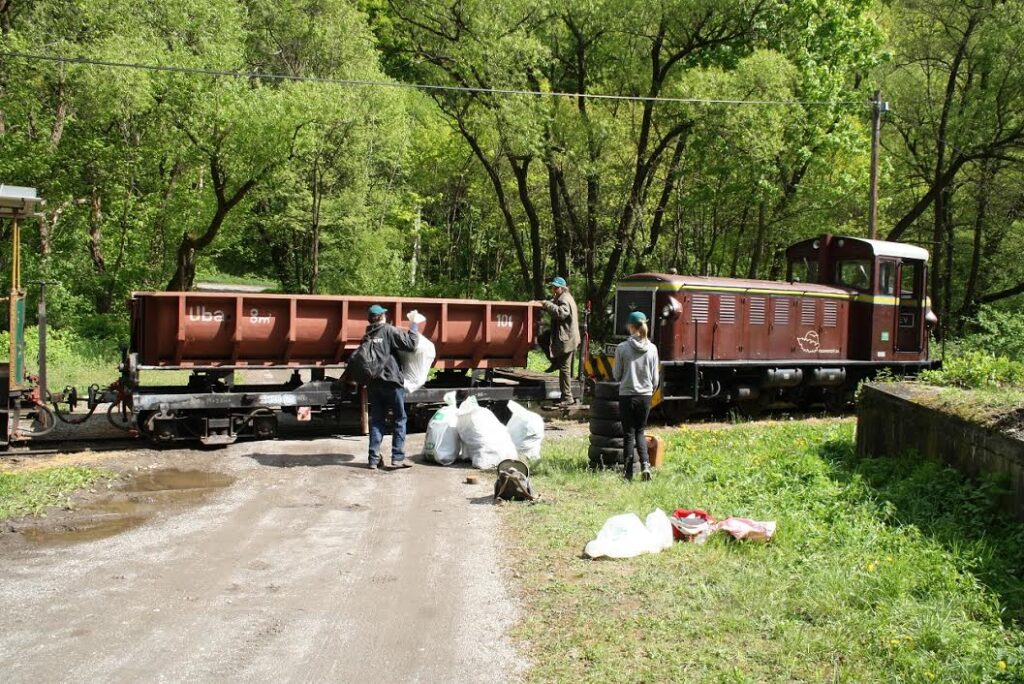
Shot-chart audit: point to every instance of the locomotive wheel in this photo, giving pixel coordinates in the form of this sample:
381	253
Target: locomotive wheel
604	458
608	428
605	410
606	390
603	442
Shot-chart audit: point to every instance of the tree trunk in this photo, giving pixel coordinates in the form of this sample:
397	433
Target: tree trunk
185	271
521	170
755	256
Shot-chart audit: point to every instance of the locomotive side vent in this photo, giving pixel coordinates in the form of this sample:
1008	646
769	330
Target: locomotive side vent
757	310
780	313
700	308
807	312
831	314
727	309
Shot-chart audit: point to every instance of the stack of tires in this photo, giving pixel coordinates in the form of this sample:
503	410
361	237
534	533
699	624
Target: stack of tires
605	427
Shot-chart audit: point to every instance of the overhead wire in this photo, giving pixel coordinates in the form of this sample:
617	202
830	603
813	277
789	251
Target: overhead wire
225	73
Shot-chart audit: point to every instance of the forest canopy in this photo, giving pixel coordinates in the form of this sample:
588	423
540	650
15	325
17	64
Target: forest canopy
743	126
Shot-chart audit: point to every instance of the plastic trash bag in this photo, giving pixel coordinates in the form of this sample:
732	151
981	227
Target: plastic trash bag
441	443
416	364
624	536
660	527
745	528
485	440
527	431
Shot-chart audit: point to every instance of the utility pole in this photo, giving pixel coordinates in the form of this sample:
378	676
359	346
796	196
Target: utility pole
878	106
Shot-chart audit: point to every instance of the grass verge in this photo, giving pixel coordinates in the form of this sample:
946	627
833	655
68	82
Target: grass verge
882	569
31	492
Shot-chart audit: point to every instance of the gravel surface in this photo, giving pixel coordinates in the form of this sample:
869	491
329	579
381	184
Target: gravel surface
286	561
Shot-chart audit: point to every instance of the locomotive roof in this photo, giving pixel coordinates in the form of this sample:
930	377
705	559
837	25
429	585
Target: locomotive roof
894	249
899	250
688	282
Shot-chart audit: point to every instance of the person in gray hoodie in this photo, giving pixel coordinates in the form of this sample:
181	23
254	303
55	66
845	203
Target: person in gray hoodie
636	371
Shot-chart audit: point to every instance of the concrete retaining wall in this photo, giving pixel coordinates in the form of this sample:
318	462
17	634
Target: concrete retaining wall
890	423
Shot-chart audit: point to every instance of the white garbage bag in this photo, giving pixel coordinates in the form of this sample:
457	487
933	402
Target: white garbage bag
660	527
485	441
441	443
527	431
624	536
416	364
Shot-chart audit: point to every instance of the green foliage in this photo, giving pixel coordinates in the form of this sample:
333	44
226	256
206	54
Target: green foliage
881	570
977	370
998	332
32	492
72	358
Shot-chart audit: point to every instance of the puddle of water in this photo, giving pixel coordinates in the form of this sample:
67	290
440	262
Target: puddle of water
130	505
88	531
172	479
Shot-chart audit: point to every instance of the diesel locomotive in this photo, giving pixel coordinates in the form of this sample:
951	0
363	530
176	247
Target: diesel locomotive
848	309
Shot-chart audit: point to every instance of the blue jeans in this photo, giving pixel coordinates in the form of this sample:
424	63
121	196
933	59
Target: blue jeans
382	397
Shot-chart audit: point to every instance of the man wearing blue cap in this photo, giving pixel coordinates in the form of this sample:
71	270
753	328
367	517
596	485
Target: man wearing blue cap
565	335
386	392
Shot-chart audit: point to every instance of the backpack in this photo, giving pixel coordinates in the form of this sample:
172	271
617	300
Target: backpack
513	484
368	360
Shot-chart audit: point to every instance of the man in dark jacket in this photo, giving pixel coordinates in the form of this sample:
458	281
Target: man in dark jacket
387	392
565	334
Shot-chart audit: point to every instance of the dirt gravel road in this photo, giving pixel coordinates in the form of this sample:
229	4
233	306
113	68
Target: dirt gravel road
305	567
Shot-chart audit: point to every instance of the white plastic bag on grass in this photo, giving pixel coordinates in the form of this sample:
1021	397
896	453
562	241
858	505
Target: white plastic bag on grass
624	536
485	440
527	431
660	527
441	443
416	364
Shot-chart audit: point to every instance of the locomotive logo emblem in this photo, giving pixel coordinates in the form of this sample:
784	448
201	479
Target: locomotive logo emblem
809	342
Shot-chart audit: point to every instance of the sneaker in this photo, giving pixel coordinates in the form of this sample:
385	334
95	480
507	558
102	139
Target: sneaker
645	474
374	466
401	464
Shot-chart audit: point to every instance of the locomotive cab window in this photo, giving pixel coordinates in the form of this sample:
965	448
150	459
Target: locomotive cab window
855	273
803	271
887	277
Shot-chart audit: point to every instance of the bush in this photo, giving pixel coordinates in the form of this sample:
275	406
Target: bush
976	369
997	332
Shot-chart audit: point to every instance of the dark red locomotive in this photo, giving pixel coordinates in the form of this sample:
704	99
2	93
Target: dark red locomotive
849	308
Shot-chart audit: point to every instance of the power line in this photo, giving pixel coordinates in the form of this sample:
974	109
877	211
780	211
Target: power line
419	86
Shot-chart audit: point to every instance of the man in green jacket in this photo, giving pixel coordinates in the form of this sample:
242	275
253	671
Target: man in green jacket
565	334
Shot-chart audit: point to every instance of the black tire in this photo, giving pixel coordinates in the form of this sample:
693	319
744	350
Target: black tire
608	428
605	410
604	458
606	390
603	442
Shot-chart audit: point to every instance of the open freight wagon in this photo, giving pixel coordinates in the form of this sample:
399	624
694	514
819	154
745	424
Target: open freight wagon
253	356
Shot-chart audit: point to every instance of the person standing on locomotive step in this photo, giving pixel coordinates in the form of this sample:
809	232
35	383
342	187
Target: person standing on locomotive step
636	371
387	391
565	334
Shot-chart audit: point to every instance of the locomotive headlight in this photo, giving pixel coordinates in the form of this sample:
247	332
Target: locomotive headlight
671	309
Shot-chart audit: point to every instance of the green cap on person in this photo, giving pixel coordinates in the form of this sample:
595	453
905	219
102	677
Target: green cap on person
377	310
637	317
557	281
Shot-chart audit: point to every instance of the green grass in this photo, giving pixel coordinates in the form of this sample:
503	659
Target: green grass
893	570
538	362
31	492
986	406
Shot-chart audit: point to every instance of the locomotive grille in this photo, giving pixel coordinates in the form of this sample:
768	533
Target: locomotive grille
807	312
780	312
727	309
700	308
831	314
757	309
